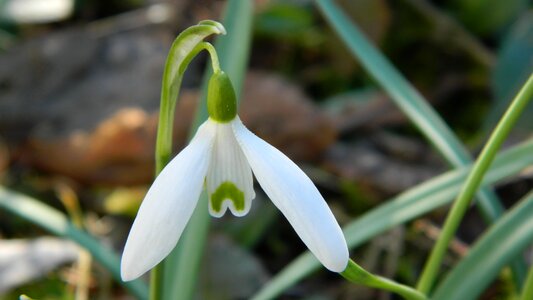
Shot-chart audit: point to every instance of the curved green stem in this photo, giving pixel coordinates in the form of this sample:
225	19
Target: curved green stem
472	183
201	46
357	274
214	57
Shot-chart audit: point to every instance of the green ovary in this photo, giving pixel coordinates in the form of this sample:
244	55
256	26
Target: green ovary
221	100
227	190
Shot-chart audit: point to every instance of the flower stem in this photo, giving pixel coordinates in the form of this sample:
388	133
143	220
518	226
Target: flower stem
472	183
357	274
202	46
214	57
156	282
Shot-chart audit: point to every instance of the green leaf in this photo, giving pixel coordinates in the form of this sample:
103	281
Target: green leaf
181	266
285	19
54	221
527	292
415	107
488	16
405	207
514	65
471	185
407	98
497	247
248	231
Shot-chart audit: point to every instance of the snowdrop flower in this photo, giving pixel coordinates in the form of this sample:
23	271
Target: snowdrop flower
223	154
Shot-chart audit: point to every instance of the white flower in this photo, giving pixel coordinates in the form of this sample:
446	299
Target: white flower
223	154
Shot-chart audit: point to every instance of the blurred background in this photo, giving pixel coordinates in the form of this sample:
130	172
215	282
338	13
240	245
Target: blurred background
79	95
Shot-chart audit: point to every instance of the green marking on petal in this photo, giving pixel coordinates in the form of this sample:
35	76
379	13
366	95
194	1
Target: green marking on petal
227	190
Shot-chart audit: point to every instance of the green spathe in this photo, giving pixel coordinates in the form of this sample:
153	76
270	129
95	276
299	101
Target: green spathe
221	101
227	190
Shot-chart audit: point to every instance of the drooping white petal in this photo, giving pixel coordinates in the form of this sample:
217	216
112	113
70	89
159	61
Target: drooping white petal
297	197
229	179
167	206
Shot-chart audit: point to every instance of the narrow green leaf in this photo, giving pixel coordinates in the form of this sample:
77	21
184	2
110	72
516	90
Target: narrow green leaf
514	65
488	16
415	107
496	248
405	207
471	185
54	221
182	265
407	98
527	292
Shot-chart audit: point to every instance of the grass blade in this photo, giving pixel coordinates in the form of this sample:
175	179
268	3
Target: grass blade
415	107
408	99
499	245
461	204
54	221
527	292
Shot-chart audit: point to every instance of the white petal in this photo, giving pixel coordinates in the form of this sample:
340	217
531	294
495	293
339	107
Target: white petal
167	206
297	197
229	179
